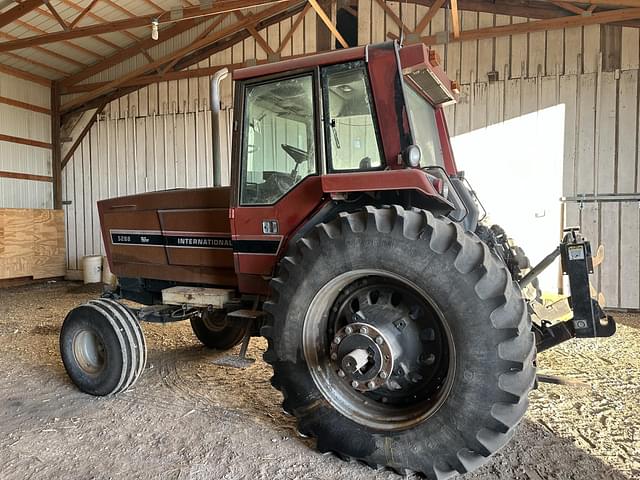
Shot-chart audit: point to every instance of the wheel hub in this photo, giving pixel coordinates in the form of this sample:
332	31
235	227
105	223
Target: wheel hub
362	356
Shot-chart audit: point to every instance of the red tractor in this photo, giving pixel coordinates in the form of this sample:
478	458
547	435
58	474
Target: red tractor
397	328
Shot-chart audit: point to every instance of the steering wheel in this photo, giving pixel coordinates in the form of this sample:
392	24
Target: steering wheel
297	154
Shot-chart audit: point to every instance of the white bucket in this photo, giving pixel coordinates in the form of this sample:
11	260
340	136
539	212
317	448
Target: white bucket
108	278
92	268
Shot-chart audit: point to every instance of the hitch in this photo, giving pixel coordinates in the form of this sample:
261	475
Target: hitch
588	320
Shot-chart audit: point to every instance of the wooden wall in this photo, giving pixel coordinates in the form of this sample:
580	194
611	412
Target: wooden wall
32	243
159	136
25	137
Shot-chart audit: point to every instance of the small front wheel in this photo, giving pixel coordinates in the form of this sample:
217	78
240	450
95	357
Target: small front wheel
102	347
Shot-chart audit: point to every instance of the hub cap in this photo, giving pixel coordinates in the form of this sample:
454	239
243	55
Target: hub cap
89	352
379	349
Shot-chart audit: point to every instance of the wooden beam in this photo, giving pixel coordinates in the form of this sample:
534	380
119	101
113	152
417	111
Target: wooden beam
537	26
180	53
193	58
57	16
56	152
82	134
221	6
327	21
426	20
127	52
570	7
82	14
31	77
455	19
24	141
215	24
26	176
25	106
256	35
396	19
294	26
19	10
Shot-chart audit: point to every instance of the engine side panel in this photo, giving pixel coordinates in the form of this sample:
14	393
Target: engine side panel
177	235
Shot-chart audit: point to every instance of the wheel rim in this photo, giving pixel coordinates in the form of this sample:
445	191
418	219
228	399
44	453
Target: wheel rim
89	352
215	321
379	349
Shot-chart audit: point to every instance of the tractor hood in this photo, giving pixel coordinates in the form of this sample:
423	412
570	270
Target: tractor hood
177	235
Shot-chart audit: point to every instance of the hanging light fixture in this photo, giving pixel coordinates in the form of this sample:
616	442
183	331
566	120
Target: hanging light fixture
154	29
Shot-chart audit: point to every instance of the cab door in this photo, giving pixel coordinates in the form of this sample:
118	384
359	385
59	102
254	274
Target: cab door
277	185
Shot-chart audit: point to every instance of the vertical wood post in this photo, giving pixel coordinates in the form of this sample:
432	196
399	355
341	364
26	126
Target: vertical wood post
56	158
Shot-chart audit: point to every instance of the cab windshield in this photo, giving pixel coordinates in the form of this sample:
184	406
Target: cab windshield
422	118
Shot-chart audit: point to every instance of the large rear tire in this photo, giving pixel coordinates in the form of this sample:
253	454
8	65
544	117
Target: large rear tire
438	357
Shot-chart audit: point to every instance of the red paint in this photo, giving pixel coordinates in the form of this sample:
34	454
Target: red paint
445	142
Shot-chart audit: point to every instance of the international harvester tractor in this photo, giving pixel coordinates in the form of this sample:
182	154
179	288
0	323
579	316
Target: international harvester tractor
399	325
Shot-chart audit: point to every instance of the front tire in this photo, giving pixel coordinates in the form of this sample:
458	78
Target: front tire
102	347
478	342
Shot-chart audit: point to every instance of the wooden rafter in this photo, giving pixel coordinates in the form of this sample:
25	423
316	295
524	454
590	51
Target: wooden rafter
51	53
28	26
32	77
57	16
256	35
426	20
220	6
83	13
216	23
180	53
396	19
46	13
294	27
570	7
329	24
190	60
18	11
127	52
537	26
455	19
102	19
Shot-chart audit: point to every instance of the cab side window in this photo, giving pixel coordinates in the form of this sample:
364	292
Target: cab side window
352	140
278	149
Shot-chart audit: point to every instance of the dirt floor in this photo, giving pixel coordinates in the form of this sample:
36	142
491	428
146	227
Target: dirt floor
189	419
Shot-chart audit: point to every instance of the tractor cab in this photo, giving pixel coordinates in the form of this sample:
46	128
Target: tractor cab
360	123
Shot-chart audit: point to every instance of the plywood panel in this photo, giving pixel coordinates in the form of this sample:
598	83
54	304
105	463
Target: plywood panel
468	68
32	243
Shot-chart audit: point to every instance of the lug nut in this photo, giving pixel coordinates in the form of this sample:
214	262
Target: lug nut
348	330
379	340
364	330
371	384
427	359
337	340
334	356
340	373
354	384
383	375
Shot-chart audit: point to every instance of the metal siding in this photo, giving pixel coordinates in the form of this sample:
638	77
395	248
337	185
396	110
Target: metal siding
14	157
